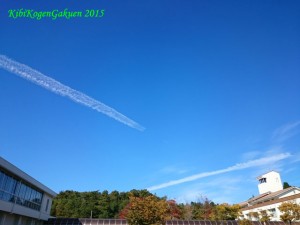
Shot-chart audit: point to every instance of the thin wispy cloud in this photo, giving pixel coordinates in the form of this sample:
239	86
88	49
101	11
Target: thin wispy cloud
285	132
173	170
229	186
56	87
240	166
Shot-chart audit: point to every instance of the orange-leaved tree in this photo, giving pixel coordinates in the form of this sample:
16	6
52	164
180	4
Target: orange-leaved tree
149	210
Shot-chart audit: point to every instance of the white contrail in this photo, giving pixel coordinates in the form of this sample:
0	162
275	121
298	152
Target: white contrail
58	88
239	166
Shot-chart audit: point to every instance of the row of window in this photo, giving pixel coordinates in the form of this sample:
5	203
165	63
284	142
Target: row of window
270	212
13	190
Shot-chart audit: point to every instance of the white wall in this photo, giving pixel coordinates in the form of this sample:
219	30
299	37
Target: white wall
272	184
275	217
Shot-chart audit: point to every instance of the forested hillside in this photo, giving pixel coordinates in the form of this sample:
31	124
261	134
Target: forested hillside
95	204
75	204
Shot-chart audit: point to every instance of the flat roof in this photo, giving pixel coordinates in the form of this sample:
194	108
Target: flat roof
24	176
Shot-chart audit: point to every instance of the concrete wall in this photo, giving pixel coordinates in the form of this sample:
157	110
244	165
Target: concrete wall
14	219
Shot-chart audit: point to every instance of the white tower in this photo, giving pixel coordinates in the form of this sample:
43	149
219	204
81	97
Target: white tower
269	182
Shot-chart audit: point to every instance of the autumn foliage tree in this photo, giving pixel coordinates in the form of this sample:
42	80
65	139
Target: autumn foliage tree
254	216
290	212
264	216
149	210
173	210
203	209
226	212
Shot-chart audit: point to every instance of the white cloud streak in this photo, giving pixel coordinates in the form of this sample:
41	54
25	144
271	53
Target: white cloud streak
285	132
240	166
52	85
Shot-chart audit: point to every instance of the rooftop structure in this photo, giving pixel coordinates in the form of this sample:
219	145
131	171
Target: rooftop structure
269	182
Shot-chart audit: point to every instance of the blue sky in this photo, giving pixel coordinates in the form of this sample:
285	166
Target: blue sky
215	84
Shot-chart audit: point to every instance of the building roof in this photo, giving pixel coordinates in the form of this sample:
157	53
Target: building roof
270	197
24	176
256	198
272	171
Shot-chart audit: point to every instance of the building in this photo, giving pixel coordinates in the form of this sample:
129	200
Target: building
271	195
23	200
269	182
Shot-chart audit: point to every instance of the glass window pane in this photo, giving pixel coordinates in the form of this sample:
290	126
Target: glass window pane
9	184
1	179
39	198
17	189
28	194
22	191
3	182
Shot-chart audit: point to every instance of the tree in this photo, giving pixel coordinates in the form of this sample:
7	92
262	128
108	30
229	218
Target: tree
89	204
203	209
140	193
264	216
149	210
290	211
226	212
254	216
187	211
286	185
261	216
103	205
65	204
174	211
244	222
84	204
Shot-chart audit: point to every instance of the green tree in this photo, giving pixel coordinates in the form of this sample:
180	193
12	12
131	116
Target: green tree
290	211
84	204
103	205
67	204
286	185
140	193
89	204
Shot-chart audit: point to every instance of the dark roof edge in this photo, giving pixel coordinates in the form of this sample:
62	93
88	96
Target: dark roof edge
18	172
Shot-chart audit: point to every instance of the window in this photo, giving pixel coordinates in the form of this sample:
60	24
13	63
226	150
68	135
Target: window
2	175
47	205
14	190
263	180
272	212
7	187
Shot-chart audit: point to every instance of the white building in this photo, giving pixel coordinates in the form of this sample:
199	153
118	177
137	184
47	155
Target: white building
269	182
271	195
23	200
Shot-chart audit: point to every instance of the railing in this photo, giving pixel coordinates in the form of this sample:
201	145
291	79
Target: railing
85	221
